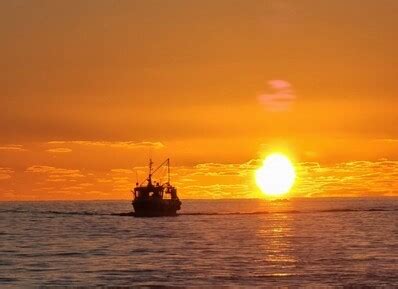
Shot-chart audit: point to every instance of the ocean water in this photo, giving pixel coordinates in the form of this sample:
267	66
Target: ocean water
306	242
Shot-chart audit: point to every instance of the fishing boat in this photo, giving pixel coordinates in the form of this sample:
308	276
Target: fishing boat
155	200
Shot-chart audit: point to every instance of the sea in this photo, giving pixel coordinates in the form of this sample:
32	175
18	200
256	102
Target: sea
315	243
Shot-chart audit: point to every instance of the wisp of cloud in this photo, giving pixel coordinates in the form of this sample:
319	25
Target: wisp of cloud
278	96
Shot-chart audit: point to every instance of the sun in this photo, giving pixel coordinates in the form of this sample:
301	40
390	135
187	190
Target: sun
277	175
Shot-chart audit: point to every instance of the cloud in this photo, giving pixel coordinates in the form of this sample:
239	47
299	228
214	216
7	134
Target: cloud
5	173
59	150
122	171
219	169
116	144
55	173
278	96
387	140
58	180
218	191
86	184
356	178
219	180
103	180
12	148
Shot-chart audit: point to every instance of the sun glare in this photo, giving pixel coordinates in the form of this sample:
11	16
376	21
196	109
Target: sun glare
277	175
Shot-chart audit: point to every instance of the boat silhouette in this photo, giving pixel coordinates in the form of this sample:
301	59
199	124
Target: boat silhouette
155	200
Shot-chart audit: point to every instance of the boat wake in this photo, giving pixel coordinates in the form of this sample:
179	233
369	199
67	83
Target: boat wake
130	214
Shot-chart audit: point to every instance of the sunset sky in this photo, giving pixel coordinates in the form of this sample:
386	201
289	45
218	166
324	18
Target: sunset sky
89	90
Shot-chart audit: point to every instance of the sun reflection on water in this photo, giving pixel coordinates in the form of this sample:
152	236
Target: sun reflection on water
276	245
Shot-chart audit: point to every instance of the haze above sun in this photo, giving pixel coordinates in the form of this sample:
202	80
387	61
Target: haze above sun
277	175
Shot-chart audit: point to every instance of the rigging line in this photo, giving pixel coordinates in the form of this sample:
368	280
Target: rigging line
154	171
161	165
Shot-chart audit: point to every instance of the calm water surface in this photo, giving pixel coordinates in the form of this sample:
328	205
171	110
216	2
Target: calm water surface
236	243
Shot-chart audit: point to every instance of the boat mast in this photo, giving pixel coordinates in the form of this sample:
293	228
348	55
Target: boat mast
150	171
168	171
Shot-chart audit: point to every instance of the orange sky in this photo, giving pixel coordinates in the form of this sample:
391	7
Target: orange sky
90	89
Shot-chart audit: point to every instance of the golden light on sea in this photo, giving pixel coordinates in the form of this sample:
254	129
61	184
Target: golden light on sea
277	175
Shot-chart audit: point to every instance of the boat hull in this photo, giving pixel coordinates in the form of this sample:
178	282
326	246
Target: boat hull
156	207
